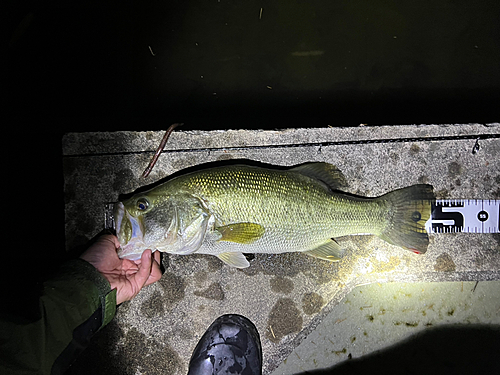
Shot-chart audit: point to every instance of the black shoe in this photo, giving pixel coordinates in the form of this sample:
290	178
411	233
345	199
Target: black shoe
231	345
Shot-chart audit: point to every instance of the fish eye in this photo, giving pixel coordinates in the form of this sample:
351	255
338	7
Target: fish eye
142	204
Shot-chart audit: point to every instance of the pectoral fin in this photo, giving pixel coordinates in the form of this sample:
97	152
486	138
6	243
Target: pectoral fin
237	260
244	233
328	251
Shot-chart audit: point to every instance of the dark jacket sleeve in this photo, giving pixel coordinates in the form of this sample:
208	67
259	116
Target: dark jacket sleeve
74	304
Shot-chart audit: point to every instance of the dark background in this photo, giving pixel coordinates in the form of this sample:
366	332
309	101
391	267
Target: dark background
89	66
80	66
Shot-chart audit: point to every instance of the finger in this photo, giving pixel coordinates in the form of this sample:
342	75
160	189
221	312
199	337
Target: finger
109	238
129	267
108	243
102	253
155	269
114	239
157	257
144	271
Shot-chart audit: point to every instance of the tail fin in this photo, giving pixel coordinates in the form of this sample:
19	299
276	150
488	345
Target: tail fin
409	210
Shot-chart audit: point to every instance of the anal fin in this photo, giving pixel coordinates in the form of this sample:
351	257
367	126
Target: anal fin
330	251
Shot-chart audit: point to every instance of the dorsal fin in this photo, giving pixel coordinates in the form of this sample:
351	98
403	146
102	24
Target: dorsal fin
324	172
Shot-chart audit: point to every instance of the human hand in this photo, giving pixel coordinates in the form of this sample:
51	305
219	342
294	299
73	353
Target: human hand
127	276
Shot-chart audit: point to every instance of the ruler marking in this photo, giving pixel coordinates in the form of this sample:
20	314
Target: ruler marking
482	223
464	215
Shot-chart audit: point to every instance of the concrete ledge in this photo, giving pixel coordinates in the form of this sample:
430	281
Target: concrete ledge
287	295
129	142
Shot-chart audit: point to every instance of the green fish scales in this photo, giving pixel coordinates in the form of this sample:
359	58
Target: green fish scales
296	211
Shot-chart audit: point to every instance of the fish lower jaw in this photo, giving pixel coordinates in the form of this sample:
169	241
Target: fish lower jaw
132	250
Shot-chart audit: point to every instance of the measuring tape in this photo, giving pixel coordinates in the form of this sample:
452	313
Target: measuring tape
464	215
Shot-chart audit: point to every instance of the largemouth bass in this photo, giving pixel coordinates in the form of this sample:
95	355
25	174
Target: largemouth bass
230	210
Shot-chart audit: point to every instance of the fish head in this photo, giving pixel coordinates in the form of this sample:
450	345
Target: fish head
143	222
169	223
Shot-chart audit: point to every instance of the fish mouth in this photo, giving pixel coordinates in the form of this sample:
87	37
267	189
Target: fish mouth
130	233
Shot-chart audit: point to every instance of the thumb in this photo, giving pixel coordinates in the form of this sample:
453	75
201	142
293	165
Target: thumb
144	271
